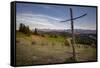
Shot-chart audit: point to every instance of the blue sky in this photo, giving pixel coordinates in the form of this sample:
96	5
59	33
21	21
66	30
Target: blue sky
49	16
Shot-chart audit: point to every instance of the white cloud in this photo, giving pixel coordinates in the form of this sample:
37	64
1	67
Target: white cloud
39	21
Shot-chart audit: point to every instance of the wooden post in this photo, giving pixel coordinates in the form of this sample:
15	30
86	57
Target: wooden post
72	30
73	37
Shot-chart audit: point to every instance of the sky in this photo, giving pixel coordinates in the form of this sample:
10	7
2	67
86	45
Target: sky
42	16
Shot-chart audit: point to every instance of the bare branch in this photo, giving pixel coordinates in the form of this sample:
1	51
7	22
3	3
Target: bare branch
74	18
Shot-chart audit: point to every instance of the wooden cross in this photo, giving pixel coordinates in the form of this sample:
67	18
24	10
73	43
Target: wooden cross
72	30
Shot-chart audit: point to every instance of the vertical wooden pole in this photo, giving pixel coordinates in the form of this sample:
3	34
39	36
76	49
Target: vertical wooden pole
73	37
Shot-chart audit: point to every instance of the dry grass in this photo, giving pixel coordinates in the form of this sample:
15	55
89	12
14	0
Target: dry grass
48	50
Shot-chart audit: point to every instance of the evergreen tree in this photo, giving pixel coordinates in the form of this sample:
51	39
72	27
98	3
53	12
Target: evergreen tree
35	31
24	29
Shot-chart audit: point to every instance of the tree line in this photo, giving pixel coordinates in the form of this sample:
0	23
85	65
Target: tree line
26	30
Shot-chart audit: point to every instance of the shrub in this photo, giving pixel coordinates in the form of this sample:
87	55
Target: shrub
42	35
66	43
33	42
55	36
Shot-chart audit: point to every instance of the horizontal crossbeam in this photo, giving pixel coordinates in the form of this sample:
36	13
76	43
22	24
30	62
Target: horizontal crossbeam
74	18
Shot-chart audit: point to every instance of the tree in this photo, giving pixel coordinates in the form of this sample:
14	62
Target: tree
35	31
24	29
21	28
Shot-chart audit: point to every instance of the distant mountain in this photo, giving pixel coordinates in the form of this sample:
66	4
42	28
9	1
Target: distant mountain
80	31
83	31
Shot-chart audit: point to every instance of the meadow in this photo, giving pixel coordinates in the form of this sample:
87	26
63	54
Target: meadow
46	49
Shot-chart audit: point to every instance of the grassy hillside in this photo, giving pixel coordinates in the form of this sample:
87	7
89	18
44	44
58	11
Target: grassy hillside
38	49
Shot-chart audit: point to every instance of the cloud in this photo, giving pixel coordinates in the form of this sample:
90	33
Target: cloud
39	21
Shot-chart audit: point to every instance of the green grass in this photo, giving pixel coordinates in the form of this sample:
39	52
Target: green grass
58	39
